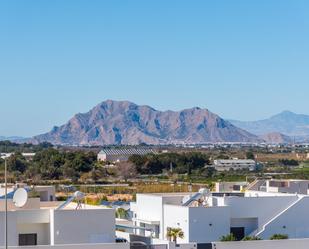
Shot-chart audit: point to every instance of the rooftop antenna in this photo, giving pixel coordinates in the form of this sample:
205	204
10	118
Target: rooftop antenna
20	197
79	196
201	196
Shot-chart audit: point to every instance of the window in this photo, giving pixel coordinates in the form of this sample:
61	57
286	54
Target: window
29	239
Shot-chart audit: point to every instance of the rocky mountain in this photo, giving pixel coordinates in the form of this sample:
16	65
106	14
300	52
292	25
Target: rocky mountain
287	123
123	122
276	138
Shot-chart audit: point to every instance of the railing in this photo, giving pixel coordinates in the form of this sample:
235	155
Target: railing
260	230
256	184
148	247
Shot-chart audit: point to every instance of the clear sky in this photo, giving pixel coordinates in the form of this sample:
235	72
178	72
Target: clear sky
242	59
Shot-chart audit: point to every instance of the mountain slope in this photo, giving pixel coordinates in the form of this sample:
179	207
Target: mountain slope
287	123
276	138
123	122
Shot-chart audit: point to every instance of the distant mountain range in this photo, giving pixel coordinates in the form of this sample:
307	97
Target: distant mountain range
123	122
276	138
287	123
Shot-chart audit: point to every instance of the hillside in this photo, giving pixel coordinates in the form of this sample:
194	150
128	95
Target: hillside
287	123
276	138
123	122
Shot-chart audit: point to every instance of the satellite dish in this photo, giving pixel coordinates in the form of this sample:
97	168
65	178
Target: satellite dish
20	197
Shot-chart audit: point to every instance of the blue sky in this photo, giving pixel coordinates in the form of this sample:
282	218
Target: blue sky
241	59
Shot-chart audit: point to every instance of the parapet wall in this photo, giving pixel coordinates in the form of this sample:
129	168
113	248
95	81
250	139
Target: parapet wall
263	244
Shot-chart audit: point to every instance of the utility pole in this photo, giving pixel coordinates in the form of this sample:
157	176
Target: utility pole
6	204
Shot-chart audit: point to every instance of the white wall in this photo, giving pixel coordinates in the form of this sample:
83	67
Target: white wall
47	193
255	193
294	222
176	217
83	226
264	208
25	221
208	224
299	187
12	229
263	244
75	246
32	203
42	231
149	207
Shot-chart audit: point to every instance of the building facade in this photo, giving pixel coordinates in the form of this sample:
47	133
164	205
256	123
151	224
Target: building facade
118	155
234	164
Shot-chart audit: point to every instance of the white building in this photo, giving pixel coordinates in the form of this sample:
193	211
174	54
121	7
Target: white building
123	154
28	156
46	193
256	214
235	164
230	186
280	186
42	223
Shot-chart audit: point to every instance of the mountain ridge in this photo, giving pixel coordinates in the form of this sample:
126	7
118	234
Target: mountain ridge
124	122
287	123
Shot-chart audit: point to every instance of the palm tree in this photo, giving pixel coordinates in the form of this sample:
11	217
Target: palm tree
121	213
174	233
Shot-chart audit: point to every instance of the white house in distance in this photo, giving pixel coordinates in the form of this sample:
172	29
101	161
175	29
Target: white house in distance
206	218
235	164
27	155
290	186
123	154
46	193
230	186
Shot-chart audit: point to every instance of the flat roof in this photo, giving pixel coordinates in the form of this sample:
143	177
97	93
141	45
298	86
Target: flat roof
168	194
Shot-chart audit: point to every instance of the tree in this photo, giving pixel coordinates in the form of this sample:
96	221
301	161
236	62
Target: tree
229	237
287	162
17	163
279	236
250	155
174	233
208	172
126	170
121	213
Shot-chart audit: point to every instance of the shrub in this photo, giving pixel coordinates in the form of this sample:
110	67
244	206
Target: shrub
279	236
251	238
229	237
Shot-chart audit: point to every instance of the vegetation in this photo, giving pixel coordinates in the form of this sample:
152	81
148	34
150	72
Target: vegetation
7	146
50	163
251	238
279	236
65	165
229	237
174	233
250	155
288	162
173	162
121	213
